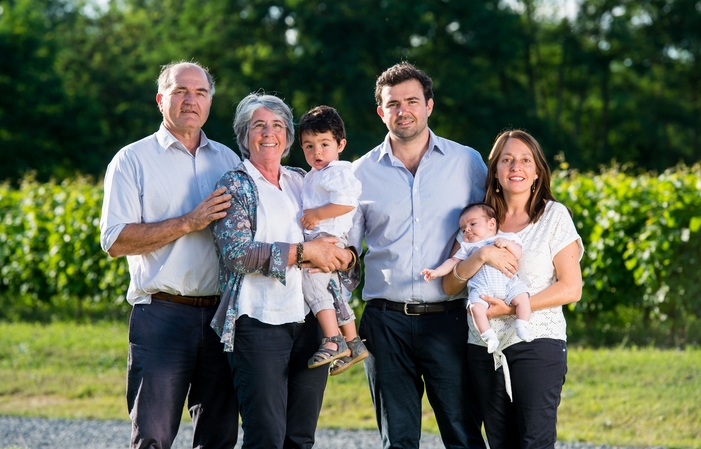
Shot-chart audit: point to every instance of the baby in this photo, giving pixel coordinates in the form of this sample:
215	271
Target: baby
478	222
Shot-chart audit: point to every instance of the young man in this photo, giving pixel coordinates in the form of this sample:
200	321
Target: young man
414	186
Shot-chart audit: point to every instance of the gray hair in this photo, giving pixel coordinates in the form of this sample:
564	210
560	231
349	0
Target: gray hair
166	79
245	110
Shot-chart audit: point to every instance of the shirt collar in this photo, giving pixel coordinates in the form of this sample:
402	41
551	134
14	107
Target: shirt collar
434	143
254	173
167	140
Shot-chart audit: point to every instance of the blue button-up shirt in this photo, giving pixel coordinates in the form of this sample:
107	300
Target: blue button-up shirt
409	221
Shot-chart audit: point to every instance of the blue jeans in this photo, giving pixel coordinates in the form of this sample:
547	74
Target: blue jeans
174	354
408	353
537	370
280	396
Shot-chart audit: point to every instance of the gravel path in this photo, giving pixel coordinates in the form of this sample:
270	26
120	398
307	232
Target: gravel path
35	433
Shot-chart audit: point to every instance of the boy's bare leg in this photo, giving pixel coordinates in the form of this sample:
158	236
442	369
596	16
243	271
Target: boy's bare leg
348	331
329	326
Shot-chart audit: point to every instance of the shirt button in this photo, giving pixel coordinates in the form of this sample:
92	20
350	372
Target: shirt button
416	219
416	278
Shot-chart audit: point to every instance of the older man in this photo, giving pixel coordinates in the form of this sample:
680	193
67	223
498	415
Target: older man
157	207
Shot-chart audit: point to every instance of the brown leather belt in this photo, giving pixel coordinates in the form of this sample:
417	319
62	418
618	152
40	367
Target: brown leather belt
195	301
413	308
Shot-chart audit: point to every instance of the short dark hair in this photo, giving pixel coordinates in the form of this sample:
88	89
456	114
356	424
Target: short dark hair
399	73
486	208
322	119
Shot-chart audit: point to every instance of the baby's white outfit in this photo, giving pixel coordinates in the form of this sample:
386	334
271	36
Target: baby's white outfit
488	280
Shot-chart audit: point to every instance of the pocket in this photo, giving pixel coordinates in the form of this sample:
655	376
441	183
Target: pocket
131	322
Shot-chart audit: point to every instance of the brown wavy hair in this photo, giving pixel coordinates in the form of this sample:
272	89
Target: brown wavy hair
540	193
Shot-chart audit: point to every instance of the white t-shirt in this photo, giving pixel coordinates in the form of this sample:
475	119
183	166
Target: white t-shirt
541	241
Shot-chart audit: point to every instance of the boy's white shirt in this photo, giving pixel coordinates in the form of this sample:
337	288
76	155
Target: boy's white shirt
335	184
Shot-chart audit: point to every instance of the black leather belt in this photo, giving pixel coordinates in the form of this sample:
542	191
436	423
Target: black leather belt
195	301
414	308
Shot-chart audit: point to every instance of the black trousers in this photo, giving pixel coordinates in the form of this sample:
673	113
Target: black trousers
413	353
537	371
175	355
280	396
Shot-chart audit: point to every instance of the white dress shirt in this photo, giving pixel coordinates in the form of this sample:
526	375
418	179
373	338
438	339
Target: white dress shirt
279	211
409	221
150	181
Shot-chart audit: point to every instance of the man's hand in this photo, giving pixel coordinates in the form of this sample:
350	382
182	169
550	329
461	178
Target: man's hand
210	209
142	238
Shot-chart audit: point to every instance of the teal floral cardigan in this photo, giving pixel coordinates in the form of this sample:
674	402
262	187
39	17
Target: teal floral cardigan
239	254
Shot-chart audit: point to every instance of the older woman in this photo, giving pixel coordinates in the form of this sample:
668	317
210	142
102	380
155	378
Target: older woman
518	187
261	250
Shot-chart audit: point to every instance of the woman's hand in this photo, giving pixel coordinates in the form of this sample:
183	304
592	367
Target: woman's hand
497	307
323	254
501	259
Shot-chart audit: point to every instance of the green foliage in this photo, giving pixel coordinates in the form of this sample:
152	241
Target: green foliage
641	232
51	262
642	243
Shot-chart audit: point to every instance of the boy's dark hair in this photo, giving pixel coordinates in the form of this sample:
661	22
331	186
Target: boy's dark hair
399	73
486	208
322	119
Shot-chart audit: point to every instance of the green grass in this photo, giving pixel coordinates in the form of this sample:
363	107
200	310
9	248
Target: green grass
618	397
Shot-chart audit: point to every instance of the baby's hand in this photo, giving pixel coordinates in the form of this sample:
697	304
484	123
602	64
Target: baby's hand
309	219
500	242
428	274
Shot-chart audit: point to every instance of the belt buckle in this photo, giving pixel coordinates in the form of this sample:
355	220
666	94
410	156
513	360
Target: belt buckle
406	310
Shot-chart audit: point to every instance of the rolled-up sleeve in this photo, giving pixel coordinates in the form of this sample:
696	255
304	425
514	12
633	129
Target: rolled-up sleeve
122	203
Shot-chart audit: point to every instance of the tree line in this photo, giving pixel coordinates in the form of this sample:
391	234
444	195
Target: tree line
614	80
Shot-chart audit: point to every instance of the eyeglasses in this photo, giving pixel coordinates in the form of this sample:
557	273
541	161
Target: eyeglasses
276	127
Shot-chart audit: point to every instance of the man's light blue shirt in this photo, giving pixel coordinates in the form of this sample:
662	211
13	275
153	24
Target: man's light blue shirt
409	221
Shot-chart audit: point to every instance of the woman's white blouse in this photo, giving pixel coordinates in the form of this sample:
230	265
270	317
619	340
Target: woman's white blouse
279	211
541	240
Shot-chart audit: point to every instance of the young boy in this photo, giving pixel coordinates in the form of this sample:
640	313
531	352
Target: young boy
329	197
478	222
